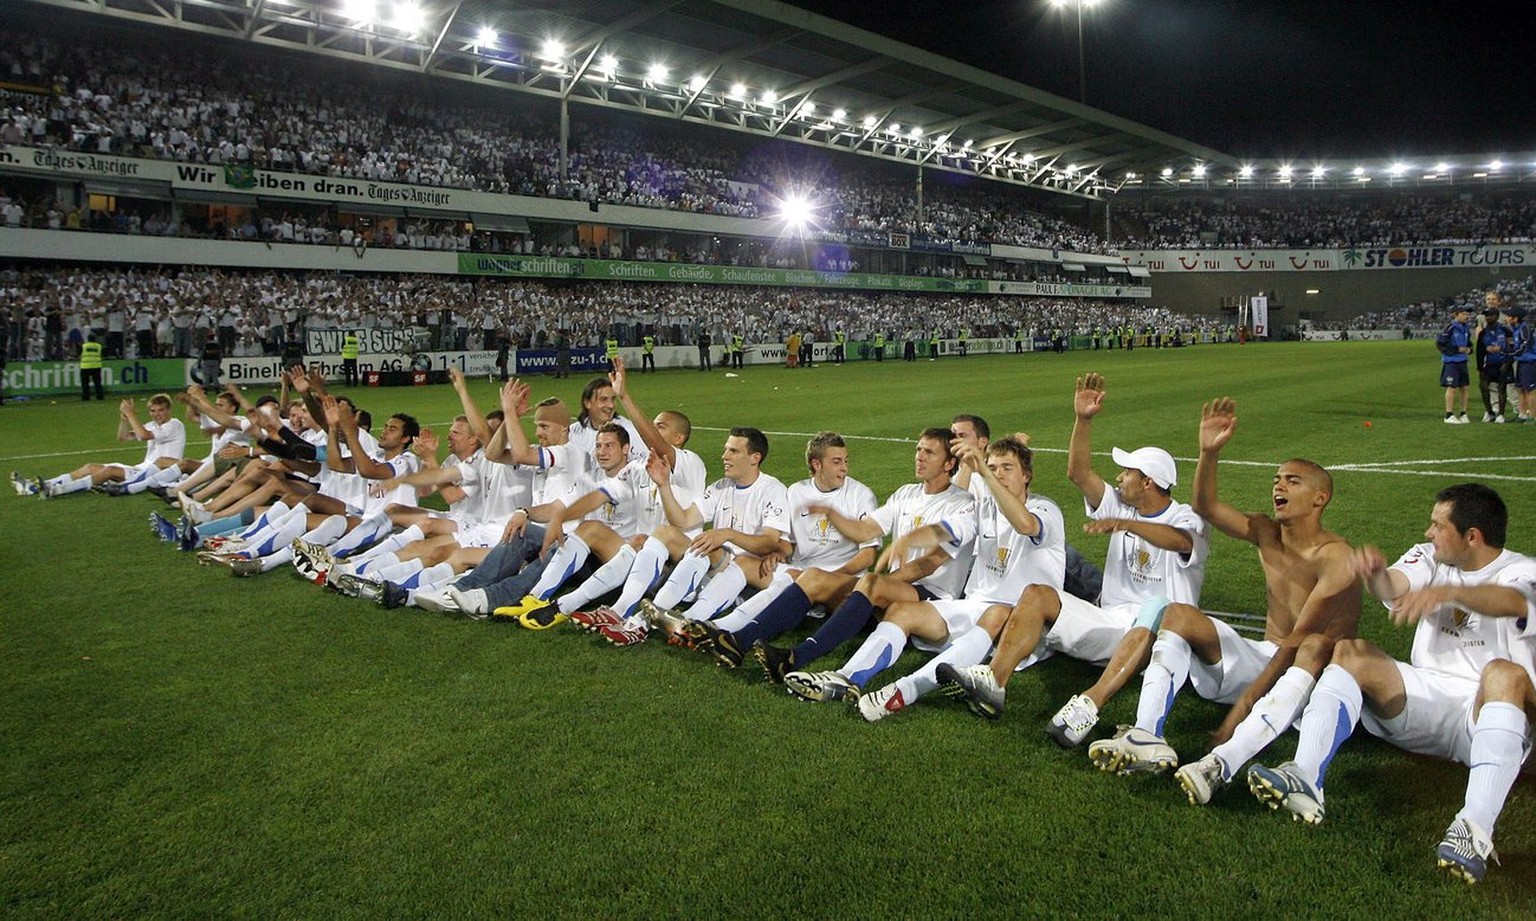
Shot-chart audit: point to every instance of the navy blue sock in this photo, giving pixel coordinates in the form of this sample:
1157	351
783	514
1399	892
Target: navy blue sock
783	613
844	624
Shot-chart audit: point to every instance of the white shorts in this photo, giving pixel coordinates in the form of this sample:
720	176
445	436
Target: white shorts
1242	661
1437	718
961	615
1084	630
478	535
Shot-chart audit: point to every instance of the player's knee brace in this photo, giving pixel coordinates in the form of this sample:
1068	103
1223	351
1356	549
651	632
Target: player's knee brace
1151	613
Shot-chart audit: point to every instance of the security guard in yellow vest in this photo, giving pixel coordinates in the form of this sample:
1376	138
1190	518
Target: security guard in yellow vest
90	369
647	353
349	349
611	351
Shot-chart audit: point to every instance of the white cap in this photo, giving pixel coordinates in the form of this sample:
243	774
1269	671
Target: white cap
1153	462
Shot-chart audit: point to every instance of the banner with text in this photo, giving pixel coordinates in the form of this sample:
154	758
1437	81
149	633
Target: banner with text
1176	262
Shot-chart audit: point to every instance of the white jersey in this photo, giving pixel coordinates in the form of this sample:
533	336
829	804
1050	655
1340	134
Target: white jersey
467	509
688	477
403	464
1135	570
559	469
1008	562
748	509
911	507
224	437
818	545
167	439
1456	641
633	506
505	488
583	437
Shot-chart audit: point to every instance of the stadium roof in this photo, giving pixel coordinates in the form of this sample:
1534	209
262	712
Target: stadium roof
754	66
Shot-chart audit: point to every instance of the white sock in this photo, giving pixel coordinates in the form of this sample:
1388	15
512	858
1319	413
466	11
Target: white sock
969	648
396	572
563	563
719	593
685	579
389	544
275	511
1498	748
279	557
1164	677
374	563
1272	715
608	577
744	612
368	530
433	576
281	535
160	477
876	654
326	532
71	484
642	575
1329	719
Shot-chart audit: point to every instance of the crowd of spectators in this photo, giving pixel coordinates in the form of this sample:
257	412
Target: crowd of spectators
170	312
282	113
1302	221
1433	315
119	92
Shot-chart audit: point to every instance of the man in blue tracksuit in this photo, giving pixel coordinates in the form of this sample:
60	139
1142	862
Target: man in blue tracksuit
1455	345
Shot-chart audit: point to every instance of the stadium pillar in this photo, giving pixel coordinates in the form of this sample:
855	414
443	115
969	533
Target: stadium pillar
565	137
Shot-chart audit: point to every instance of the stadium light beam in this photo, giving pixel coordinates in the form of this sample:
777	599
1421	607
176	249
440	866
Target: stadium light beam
487	37
1082	60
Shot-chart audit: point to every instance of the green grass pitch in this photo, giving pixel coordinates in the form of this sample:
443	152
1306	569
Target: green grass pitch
178	743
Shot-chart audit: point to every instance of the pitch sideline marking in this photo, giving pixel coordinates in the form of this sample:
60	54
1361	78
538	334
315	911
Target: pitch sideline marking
1394	468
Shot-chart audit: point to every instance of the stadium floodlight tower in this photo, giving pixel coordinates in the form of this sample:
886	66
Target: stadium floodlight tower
1082	63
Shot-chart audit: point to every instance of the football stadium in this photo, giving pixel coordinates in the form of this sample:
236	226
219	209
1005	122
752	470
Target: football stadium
607	458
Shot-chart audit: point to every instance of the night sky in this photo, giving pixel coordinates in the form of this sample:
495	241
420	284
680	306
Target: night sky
1298	79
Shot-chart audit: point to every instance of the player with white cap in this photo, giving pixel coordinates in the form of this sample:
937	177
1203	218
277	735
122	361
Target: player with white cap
1157	551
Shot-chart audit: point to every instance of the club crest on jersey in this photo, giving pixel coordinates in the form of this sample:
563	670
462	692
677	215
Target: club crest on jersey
1002	557
1142	559
822	525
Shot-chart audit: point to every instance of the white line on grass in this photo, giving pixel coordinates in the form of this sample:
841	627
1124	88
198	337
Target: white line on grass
1392	468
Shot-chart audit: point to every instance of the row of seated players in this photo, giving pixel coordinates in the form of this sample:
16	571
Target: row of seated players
977	565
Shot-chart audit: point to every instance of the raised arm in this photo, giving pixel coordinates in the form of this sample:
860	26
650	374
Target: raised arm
129	428
1087	402
677	516
1021	519
477	421
649	434
1218	420
1161	536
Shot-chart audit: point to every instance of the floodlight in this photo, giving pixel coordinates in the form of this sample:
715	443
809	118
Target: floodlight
870	121
552	51
916	132
1442	167
1496	165
656	73
486	36
839	114
808	109
1285	171
969	142
1398	169
1199	170
796	210
1167	171
409	17
769	98
738	91
1357	171
364	11
1246	172
1318	171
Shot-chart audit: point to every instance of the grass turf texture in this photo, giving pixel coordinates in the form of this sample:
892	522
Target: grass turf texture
180	743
